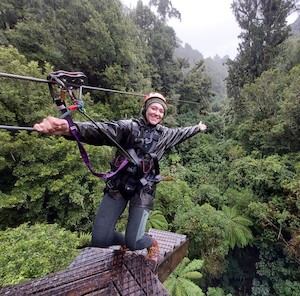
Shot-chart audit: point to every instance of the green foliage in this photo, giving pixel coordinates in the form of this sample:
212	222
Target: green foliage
205	158
216	69
48	182
264	28
215	124
289	56
196	88
261	175
243	169
240	198
259	101
157	220
33	251
287	288
237	228
289	111
180	281
165	9
206	230
99	41
266	105
84	239
275	274
278	224
159	42
172	196
22	102
260	288
270	113
209	193
216	292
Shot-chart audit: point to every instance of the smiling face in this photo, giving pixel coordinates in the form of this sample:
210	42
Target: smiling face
155	113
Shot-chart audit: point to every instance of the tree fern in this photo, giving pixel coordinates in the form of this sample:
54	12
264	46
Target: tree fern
190	266
189	288
237	227
157	221
170	285
180	281
193	275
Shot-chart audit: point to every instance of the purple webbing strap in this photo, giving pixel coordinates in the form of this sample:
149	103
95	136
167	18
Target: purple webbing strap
74	132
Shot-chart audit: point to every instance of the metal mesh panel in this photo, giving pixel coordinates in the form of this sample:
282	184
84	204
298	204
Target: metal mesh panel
132	275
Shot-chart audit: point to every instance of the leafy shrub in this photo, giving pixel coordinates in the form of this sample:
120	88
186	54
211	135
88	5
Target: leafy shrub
29	252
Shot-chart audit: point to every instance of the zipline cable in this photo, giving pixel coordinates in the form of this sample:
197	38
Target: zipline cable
28	78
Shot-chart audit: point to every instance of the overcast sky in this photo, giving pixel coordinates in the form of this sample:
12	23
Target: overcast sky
207	25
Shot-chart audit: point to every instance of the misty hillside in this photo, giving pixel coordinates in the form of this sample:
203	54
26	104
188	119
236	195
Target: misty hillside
215	68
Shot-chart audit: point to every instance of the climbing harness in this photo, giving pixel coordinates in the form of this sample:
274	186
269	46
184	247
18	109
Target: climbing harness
145	174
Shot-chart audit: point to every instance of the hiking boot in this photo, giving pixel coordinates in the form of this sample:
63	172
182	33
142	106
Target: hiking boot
153	252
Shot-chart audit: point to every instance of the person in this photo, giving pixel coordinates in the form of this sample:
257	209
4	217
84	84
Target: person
147	140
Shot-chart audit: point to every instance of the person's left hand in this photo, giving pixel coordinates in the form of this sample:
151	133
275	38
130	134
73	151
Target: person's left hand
202	126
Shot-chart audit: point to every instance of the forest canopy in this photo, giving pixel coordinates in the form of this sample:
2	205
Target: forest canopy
239	182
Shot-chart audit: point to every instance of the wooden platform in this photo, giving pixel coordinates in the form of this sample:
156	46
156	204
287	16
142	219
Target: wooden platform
105	272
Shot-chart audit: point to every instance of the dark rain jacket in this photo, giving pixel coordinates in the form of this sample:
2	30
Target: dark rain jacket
136	134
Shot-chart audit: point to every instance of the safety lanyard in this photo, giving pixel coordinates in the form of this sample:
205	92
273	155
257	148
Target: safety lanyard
68	83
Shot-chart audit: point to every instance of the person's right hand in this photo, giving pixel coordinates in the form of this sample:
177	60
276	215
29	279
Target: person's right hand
53	126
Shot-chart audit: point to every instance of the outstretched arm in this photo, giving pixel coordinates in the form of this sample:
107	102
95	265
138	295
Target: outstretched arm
174	136
53	126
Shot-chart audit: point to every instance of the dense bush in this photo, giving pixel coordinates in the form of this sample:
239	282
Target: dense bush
31	251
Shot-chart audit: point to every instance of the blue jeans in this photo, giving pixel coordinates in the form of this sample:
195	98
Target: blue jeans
110	210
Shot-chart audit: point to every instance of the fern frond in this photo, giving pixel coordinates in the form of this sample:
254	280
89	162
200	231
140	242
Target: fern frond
170	284
181	266
190	288
240	220
194	265
179	289
193	275
157	220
